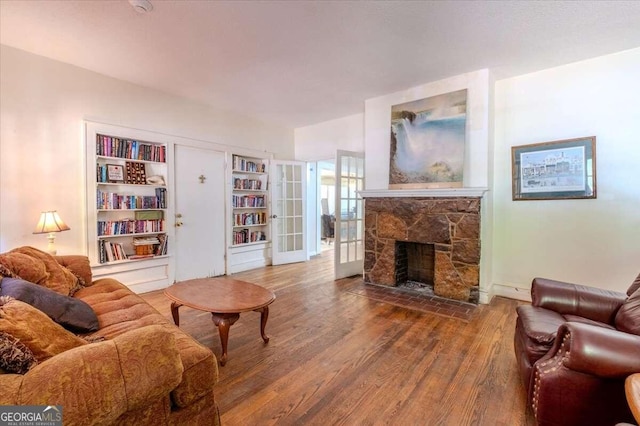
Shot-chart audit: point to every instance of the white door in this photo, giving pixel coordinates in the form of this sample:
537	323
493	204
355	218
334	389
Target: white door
288	225
200	210
349	227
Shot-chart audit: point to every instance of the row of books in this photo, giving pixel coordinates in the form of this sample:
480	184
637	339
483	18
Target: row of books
244	219
161	250
247	236
109	251
110	146
243	165
129	226
253	184
114	201
248	201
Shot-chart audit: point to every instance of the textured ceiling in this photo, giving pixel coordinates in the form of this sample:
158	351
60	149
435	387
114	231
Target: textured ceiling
297	63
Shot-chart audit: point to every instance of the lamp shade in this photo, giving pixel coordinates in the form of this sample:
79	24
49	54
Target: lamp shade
50	222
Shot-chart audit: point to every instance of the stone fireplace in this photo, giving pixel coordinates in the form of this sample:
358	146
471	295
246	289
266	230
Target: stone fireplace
424	238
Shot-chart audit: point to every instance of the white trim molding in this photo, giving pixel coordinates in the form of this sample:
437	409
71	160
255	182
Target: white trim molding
435	192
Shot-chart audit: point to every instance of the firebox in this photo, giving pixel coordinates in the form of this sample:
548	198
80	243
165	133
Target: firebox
415	265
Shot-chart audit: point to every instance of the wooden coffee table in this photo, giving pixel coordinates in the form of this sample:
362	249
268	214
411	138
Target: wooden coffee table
225	298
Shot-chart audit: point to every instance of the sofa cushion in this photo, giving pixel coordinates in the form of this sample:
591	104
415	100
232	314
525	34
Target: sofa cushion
628	316
59	279
24	266
35	329
69	312
15	357
120	310
583	320
539	324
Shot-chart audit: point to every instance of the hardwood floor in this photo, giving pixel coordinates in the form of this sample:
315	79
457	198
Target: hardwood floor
336	357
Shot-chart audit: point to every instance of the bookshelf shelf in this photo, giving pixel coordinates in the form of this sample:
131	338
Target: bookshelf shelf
256	243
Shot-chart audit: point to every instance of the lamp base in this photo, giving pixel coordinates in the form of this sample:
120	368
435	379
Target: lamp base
51	249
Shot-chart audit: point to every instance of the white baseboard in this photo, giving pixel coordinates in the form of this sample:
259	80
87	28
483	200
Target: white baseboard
517	293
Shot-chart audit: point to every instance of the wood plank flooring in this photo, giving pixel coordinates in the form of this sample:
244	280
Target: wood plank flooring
336	357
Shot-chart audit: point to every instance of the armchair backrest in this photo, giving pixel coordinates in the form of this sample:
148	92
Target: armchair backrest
635	285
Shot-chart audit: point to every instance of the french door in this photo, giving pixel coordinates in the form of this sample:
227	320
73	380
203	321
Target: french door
349	226
288	215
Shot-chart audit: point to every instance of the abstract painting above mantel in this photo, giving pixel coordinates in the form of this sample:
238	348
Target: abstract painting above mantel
428	141
554	170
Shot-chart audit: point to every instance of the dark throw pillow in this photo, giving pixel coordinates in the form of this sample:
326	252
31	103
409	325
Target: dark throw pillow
73	314
15	357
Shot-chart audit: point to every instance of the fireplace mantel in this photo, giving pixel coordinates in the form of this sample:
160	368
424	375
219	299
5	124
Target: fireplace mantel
435	192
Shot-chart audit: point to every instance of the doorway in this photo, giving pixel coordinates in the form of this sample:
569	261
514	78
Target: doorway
200	212
327	203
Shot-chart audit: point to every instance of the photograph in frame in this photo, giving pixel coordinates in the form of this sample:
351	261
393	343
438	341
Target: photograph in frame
561	169
115	173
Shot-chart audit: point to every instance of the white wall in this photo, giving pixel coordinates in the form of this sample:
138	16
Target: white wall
595	242
322	140
42	106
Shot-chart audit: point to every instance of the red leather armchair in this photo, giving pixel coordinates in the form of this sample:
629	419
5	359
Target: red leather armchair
575	345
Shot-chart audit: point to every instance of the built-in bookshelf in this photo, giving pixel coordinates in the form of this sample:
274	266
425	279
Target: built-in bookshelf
130	198
128	181
249	206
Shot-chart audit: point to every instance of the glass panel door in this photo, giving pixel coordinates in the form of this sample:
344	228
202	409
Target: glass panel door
288	211
349	246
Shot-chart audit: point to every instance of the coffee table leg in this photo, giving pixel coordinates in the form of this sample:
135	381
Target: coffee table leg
264	315
174	313
224	322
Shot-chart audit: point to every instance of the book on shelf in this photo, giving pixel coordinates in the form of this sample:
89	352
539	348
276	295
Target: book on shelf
244	165
161	250
253	218
246	236
249	184
129	226
111	146
114	201
110	252
240	201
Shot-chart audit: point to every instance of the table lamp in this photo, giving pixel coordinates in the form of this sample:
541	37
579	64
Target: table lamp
50	223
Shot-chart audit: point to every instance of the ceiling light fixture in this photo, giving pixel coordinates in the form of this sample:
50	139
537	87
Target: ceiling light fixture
141	6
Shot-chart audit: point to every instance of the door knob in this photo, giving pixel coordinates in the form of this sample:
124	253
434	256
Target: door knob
273	216
178	224
178	215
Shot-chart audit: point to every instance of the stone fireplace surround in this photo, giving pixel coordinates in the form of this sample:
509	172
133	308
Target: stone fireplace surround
450	222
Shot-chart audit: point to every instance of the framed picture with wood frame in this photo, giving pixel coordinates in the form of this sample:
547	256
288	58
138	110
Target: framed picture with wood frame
556	170
115	173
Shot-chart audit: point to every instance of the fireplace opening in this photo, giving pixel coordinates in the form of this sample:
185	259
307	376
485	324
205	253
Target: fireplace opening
415	263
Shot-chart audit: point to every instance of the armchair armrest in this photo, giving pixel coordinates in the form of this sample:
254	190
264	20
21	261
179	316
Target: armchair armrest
573	299
598	351
101	381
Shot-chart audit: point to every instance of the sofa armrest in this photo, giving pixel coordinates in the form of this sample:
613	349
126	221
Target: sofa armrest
101	381
573	299
77	264
598	351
